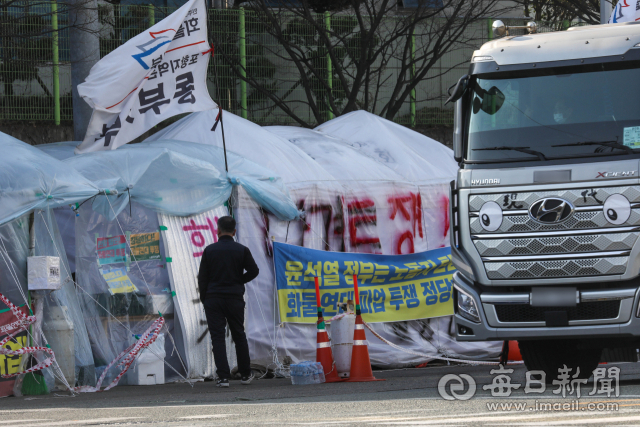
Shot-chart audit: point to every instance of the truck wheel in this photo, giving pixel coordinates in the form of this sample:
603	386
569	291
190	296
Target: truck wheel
551	355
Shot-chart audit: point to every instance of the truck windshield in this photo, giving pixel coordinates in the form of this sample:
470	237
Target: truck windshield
555	113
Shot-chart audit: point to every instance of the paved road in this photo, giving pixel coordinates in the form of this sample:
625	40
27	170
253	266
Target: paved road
407	397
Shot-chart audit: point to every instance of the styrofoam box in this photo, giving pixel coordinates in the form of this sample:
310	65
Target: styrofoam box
43	273
148	368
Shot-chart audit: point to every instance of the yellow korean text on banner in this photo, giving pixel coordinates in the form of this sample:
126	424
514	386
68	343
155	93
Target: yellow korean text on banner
392	287
118	281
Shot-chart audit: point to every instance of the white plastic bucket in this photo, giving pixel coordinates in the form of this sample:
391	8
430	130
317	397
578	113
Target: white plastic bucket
342	343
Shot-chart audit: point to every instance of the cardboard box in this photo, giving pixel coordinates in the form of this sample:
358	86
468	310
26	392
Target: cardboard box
43	273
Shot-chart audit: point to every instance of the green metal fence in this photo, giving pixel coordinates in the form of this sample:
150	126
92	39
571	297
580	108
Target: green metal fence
36	74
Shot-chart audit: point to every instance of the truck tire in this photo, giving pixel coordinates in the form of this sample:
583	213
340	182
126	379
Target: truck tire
551	355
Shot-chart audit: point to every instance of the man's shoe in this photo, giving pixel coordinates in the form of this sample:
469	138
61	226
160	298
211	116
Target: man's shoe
247	380
222	383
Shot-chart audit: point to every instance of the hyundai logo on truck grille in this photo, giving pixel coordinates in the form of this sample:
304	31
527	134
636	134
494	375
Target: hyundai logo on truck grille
551	210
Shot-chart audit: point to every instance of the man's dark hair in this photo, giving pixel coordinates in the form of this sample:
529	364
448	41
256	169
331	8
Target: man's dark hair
227	224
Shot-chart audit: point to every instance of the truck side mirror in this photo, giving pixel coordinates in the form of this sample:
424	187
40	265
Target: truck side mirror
458	89
458	118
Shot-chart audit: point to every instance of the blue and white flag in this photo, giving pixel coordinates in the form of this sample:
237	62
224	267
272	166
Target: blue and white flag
156	75
625	11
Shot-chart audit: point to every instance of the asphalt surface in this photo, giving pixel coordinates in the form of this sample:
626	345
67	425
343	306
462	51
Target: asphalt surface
406	397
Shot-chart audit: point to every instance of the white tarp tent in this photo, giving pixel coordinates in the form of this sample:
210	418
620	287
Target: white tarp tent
379	189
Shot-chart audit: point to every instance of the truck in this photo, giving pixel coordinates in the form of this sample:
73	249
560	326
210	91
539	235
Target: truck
545	207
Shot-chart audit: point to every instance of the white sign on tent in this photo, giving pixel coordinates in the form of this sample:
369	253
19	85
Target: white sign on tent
625	11
156	75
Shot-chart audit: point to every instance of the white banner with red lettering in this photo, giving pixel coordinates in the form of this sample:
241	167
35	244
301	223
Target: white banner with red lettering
158	74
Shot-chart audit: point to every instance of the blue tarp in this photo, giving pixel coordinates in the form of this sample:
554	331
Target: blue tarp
263	185
157	178
31	179
175	177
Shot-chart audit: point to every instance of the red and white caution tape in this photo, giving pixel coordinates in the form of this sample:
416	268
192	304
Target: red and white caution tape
429	356
23	323
127	357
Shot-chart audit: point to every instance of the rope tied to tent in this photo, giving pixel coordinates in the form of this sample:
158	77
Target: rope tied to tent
24	322
126	357
430	356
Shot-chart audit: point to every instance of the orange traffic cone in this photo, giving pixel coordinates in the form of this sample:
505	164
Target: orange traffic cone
360	362
324	355
514	351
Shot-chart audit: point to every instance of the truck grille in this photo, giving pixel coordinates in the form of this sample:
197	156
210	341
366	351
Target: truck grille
577	197
579	221
595	310
556	245
586	244
556	268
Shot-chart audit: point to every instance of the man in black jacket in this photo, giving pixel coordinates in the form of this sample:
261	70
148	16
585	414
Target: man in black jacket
221	281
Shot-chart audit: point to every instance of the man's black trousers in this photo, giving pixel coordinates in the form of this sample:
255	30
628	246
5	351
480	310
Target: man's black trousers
220	312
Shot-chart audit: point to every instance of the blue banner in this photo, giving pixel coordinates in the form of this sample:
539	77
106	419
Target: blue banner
392	287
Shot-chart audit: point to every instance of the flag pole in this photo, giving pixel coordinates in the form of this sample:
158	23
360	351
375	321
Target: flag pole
224	143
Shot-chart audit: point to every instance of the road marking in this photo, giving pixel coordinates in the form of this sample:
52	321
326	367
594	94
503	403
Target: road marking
197	417
591	421
404	411
500	418
76	422
356	420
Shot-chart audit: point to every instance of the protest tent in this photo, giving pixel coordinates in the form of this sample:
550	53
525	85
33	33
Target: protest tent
323	176
165	187
312	189
146	189
404	207
291	185
418	158
32	184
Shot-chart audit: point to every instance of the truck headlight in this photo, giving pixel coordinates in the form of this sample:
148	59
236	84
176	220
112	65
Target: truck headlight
467	306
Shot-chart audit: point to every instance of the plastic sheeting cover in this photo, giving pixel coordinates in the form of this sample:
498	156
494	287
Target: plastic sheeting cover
414	156
263	184
157	178
113	316
266	188
253	142
62	310
60	150
31	179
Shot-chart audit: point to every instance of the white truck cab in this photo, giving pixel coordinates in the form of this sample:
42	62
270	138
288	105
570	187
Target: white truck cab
546	203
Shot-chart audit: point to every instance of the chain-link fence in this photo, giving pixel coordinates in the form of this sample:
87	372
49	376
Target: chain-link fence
36	74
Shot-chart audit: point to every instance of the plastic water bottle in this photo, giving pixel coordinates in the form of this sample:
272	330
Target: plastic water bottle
307	372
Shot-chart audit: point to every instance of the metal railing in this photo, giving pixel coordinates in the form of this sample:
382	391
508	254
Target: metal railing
35	68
